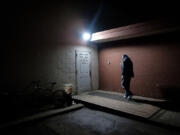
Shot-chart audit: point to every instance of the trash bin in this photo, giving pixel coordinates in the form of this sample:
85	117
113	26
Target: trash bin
68	94
59	98
68	88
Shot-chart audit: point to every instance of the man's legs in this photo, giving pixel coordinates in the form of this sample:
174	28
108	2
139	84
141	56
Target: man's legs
125	83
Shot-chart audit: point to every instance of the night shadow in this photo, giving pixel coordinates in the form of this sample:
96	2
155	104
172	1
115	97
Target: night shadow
170	94
167	105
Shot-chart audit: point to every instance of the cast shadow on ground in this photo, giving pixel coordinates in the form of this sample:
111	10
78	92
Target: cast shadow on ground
171	96
168	105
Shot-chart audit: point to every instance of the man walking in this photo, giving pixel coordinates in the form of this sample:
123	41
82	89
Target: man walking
127	74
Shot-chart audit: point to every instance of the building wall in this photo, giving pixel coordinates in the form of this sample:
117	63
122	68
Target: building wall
156	65
47	64
40	44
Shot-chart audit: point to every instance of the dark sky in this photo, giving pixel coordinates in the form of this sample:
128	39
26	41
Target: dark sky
121	13
99	14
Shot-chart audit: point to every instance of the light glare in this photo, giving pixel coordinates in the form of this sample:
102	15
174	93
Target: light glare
86	36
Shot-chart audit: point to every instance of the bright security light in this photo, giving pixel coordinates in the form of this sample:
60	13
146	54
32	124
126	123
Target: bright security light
86	36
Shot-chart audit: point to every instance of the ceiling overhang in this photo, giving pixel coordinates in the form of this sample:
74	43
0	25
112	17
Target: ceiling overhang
135	30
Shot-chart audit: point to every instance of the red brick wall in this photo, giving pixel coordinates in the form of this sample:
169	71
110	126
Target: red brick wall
156	65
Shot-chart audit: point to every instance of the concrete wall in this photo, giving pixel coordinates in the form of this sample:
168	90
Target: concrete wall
156	65
40	44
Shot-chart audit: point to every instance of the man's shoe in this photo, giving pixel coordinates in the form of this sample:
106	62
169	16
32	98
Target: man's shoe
129	97
124	96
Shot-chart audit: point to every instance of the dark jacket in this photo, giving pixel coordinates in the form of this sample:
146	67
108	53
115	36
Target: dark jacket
127	67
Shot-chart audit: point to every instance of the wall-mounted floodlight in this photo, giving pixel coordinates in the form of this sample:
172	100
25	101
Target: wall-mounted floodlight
86	36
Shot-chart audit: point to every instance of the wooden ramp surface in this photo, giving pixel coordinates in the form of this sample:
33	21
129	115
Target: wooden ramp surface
101	98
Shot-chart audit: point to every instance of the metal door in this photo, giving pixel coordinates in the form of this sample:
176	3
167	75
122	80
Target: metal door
83	61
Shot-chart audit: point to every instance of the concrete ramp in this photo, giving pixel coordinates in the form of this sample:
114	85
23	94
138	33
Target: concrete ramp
115	101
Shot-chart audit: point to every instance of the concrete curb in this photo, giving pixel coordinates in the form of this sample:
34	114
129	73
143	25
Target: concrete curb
41	115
